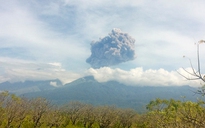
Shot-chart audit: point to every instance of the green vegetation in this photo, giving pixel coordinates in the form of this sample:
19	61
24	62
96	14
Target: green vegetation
18	112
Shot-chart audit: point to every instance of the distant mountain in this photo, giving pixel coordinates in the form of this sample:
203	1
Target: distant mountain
88	90
29	86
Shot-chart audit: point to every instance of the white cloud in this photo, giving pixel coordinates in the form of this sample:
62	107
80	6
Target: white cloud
139	77
53	84
20	70
22	27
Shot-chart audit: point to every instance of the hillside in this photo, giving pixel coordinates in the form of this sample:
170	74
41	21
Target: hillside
21	88
88	90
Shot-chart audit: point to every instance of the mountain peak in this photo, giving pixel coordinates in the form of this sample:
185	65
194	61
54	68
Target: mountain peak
82	80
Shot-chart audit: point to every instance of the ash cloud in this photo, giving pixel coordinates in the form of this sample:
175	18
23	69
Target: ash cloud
113	49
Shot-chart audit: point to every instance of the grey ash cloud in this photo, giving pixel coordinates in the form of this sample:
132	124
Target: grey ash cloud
113	49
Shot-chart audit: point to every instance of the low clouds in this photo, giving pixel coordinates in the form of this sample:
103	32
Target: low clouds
20	70
113	49
15	70
140	77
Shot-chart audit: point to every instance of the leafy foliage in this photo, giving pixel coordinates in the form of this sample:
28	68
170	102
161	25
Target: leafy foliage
20	112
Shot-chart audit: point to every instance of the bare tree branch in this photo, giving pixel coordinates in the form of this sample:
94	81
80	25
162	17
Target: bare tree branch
195	74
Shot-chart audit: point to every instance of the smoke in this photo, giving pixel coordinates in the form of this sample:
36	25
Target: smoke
113	49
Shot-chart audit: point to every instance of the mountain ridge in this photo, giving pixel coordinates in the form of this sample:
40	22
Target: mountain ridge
88	90
29	86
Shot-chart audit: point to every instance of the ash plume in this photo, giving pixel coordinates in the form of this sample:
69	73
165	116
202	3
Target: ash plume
113	49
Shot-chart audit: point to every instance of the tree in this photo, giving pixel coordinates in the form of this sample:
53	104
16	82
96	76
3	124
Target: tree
14	110
106	116
196	75
54	117
174	113
126	117
39	107
73	111
88	115
3	97
193	113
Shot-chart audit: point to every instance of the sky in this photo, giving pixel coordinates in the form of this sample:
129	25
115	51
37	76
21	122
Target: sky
52	39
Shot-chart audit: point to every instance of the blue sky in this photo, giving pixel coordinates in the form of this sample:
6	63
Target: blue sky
51	39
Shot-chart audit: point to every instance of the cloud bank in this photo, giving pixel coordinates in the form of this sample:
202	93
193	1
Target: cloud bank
20	70
113	49
140	77
14	70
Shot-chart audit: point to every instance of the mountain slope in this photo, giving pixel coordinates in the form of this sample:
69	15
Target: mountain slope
88	90
29	86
